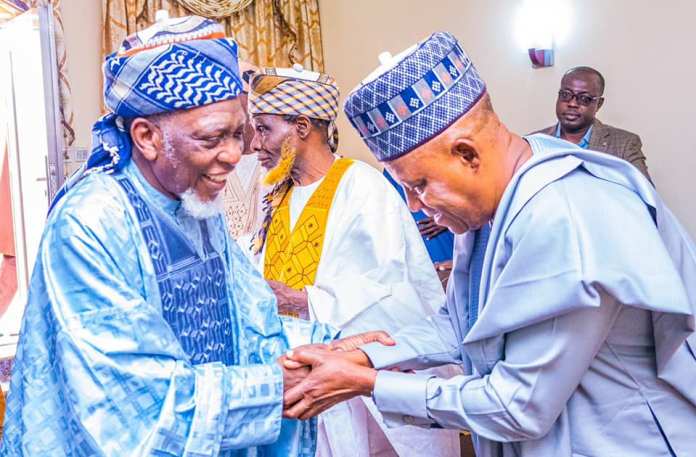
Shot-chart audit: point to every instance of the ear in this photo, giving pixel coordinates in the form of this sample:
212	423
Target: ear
600	103
465	151
303	126
147	137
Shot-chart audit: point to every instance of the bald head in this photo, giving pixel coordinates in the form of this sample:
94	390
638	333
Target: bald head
586	72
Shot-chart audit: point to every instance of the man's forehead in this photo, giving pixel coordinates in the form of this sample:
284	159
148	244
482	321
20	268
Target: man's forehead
257	119
228	112
585	79
266	118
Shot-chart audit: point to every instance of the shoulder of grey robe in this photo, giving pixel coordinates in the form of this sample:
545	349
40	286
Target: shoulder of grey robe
665	284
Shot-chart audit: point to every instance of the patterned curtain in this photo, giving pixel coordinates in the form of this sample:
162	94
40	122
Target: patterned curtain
11	8
66	110
268	32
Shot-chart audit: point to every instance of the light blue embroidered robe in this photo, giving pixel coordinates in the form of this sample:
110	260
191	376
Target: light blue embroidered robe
585	342
148	332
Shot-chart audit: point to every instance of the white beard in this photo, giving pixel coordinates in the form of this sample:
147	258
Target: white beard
197	208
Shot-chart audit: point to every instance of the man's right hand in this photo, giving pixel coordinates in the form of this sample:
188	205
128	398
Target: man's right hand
335	377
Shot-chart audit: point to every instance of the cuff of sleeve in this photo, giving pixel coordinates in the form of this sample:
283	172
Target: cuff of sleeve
382	356
299	332
402	394
253	406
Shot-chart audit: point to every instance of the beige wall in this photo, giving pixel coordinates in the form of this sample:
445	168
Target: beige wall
82	24
642	47
644	50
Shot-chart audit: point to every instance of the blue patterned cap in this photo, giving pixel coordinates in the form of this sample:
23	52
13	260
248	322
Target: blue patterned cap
415	98
175	64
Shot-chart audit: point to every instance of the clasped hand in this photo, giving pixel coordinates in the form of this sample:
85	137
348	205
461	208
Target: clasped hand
318	376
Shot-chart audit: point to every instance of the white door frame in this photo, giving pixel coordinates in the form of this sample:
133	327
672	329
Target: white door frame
35	159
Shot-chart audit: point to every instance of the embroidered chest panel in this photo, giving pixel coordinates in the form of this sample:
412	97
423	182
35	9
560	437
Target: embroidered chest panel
193	289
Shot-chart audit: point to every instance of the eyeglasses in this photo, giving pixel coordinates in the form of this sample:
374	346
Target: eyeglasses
583	99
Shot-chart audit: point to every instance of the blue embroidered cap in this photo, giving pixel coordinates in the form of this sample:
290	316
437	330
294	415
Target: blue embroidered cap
414	97
175	64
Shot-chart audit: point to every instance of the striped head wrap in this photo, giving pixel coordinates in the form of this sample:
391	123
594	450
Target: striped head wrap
297	92
176	64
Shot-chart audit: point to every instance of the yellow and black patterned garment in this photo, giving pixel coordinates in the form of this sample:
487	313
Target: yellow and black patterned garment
292	257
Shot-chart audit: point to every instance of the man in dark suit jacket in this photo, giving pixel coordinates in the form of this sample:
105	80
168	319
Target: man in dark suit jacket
579	99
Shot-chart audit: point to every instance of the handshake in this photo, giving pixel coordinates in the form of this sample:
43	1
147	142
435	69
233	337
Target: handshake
318	376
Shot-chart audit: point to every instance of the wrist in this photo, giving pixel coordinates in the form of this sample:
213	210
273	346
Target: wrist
359	357
368	377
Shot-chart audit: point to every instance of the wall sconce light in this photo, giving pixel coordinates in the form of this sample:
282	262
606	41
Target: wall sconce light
541	57
540	25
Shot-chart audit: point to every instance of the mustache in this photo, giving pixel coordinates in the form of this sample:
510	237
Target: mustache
284	166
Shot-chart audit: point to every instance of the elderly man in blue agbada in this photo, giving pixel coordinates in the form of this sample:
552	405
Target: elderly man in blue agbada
577	335
147	332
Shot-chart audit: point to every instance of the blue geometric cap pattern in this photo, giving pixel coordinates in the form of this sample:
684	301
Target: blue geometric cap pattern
417	99
171	77
176	64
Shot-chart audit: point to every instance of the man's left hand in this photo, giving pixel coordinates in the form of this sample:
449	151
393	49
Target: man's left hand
291	302
292	375
351	343
336	376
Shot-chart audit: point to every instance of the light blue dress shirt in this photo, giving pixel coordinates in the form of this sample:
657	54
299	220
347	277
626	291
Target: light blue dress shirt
584	141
